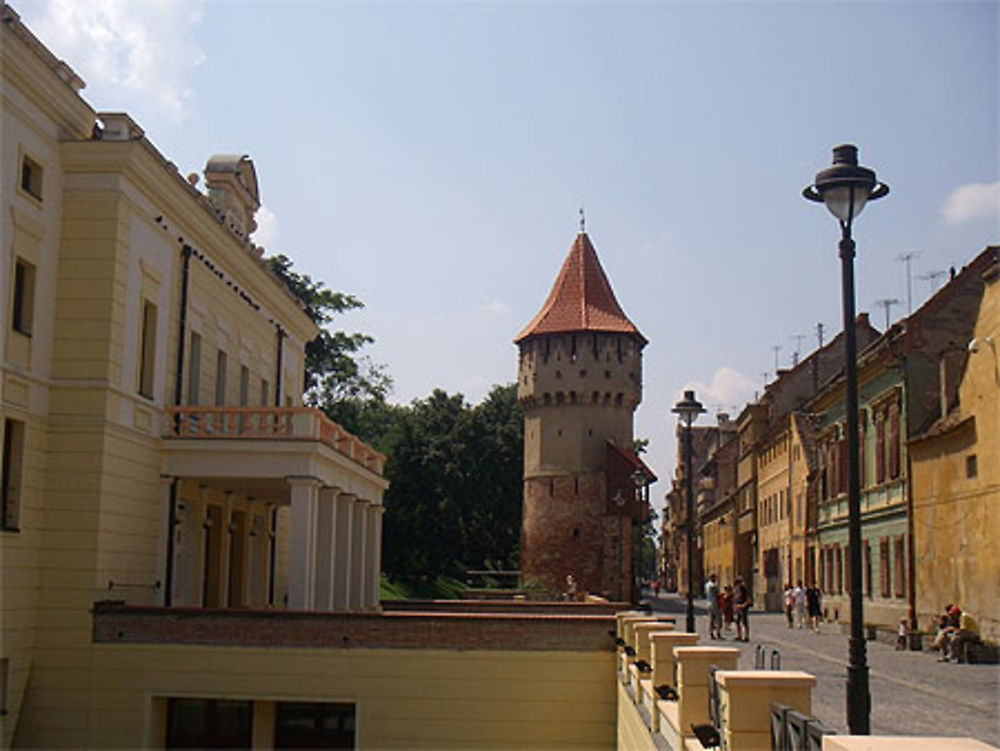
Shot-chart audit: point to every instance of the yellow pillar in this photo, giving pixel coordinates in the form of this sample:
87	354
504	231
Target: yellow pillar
745	699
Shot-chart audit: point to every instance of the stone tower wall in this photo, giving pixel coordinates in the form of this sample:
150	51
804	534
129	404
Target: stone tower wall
578	392
567	530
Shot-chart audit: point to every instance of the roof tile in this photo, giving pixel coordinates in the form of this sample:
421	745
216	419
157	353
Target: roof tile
581	299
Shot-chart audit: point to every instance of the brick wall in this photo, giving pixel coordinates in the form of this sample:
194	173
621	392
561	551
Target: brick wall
566	530
117	623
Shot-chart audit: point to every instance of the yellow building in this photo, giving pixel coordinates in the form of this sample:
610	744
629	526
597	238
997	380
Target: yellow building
189	555
956	481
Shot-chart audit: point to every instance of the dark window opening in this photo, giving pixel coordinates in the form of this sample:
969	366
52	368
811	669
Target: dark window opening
10	481
313	725
22	314
31	177
576	534
971	467
147	350
209	723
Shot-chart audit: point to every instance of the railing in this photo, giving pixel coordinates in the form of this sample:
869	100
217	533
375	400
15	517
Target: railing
276	423
794	731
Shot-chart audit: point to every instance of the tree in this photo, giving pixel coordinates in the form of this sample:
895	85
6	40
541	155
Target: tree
338	379
454	500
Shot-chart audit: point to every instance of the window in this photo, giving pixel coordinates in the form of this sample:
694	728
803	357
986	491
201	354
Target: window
838	568
313	725
894	447
883	559
194	369
880	447
4	681
899	557
10	482
971	467
209	723
147	350
31	177
265	391
22	314
867	551
221	364
244	385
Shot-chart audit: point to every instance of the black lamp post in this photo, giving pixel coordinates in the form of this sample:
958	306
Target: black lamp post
689	408
640	482
845	188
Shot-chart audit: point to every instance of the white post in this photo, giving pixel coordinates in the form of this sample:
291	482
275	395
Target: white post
359	552
343	528
302	581
373	568
325	546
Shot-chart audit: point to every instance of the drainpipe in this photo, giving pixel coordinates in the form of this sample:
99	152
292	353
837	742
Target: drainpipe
911	546
280	367
272	556
185	278
178	392
168	587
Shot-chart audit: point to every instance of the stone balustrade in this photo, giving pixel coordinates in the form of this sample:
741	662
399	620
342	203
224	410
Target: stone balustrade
745	699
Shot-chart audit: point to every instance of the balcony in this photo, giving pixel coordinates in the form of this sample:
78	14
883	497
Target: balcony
270	423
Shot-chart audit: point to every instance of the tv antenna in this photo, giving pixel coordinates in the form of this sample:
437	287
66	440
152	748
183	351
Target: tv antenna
907	258
798	348
932	277
887	303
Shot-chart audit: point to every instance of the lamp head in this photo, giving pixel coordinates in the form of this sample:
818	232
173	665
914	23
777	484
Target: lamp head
846	187
688	408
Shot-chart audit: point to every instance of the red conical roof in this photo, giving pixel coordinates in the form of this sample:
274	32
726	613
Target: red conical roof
581	299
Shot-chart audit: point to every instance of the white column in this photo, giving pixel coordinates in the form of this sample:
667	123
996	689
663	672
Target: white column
302	578
325	524
374	567
343	529
359	553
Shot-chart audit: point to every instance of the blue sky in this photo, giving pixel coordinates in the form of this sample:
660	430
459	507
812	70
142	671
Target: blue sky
432	159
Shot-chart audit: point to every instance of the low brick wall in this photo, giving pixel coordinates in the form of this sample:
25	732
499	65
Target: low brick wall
116	623
519	607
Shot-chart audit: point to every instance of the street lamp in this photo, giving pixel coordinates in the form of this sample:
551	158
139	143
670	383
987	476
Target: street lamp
845	188
688	409
640	482
619	500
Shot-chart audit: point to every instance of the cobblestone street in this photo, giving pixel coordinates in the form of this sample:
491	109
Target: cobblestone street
912	693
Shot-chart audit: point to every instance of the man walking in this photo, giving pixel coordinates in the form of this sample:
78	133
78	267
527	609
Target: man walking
714	612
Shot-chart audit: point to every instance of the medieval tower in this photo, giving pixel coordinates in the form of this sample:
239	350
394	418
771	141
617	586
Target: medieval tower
579	382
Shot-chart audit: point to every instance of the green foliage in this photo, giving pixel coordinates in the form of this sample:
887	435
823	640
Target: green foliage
454	502
337	378
440	588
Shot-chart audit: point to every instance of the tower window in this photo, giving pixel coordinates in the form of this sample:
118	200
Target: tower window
607	374
576	534
552	488
572	397
971	466
558	374
619	400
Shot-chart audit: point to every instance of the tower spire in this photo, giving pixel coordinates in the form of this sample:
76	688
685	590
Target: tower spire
583	220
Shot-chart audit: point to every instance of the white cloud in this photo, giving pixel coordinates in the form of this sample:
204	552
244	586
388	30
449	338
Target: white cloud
728	391
144	47
267	228
971	202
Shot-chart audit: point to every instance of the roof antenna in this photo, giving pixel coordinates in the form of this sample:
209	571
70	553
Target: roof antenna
583	222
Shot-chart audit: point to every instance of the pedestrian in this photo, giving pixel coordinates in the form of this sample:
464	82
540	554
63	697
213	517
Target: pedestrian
789	604
741	609
901	635
814	606
800	605
726	603
714	613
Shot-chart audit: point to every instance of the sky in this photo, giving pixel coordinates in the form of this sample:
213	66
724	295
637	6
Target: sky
432	159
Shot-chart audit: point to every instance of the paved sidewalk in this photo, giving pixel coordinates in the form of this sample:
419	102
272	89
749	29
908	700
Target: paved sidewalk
912	693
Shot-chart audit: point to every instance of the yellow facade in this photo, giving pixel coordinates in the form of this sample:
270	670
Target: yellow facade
956	485
159	467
